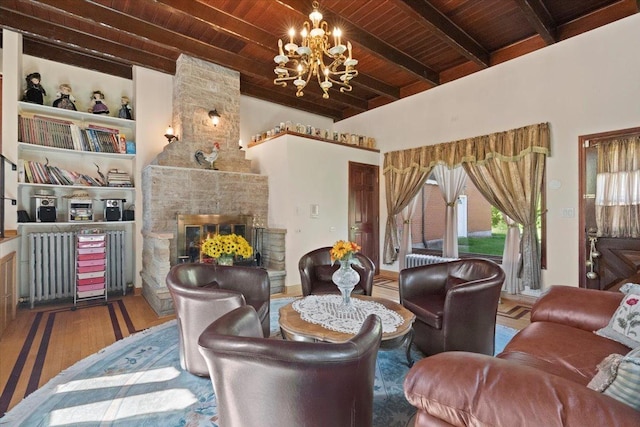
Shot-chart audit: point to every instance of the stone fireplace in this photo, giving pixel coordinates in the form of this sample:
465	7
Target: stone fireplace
176	184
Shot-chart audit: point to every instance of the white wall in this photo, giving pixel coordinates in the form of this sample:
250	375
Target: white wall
304	172
586	84
257	116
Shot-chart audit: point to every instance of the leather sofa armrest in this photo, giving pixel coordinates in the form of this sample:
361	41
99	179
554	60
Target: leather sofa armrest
465	389
587	309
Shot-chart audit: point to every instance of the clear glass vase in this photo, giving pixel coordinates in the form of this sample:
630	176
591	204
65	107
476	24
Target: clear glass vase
225	260
345	279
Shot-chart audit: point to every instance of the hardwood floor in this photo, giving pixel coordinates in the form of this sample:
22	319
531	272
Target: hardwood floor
45	341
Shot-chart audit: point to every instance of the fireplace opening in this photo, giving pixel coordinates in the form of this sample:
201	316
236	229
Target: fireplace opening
193	229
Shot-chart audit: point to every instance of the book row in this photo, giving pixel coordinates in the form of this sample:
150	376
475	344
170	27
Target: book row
65	134
39	173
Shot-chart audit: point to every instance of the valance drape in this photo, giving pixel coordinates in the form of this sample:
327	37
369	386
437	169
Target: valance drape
507	167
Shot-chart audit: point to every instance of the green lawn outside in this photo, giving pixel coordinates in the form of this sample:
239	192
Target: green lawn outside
493	245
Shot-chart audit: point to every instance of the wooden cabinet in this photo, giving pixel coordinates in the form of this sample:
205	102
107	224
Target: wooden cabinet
8	297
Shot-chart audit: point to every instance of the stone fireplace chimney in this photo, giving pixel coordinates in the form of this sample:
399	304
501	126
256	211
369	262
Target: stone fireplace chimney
176	183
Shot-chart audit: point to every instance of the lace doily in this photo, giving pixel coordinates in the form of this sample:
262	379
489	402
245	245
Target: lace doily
324	310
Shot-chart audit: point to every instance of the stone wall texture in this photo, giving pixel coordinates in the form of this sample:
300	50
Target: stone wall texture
175	183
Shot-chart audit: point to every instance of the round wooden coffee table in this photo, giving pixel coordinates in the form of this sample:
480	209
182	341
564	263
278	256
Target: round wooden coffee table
294	328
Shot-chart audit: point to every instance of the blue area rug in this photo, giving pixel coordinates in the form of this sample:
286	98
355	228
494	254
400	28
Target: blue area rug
138	382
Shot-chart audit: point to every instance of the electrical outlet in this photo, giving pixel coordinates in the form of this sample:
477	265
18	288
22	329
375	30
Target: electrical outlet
568	212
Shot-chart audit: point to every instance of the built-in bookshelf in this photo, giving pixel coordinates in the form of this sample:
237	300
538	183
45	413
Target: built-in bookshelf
61	152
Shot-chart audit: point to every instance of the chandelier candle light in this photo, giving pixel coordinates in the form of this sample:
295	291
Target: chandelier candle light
301	63
345	277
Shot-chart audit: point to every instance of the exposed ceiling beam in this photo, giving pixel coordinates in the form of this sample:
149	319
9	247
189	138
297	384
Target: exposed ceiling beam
370	42
122	22
57	34
223	22
59	53
449	32
540	19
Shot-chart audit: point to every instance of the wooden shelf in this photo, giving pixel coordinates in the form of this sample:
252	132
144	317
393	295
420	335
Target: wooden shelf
82	187
79	116
317	138
35	148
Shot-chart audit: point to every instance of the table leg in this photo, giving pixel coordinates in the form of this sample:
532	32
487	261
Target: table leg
409	339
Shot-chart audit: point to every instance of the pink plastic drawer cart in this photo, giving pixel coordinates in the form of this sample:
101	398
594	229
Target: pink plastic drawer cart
91	256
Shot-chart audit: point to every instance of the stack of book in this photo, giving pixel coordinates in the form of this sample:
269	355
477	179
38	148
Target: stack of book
119	178
38	173
57	133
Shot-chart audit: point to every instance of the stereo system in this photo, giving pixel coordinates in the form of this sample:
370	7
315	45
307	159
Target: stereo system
80	209
43	208
113	209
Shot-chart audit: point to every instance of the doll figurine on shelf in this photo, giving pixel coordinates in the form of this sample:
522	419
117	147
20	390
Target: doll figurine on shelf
97	106
35	93
125	109
64	99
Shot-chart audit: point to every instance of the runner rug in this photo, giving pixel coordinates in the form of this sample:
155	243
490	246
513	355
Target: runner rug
138	381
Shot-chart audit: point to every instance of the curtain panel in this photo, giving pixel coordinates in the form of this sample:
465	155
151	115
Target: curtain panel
507	167
617	188
405	173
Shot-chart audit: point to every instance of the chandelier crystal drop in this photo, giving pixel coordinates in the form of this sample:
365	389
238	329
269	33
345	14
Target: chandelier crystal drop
315	58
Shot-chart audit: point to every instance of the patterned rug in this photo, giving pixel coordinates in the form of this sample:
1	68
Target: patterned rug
138	382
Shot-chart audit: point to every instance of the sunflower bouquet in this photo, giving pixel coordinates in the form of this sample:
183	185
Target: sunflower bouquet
227	245
343	250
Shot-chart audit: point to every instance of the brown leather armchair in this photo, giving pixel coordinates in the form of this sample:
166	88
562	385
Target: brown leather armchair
273	383
202	293
316	270
455	304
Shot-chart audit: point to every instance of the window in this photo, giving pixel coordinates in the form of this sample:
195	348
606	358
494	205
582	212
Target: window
481	227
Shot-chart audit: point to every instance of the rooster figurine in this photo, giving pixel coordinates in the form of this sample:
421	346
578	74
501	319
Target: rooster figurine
210	158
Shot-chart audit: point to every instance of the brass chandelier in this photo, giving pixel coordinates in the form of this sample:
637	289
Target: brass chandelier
302	63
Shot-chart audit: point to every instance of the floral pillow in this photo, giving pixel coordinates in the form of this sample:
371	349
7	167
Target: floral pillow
624	326
630	288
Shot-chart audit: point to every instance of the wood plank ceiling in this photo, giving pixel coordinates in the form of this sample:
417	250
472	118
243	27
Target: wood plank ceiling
403	46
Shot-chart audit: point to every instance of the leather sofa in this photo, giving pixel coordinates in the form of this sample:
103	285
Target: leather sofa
202	293
540	379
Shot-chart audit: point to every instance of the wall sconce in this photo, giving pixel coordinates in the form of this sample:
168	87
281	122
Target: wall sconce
169	135
214	116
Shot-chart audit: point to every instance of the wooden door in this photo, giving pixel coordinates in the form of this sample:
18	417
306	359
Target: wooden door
364	209
605	262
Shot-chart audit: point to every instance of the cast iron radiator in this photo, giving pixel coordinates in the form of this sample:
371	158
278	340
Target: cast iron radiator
52	264
415	260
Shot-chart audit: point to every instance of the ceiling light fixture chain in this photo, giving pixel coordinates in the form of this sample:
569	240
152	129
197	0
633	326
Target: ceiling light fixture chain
302	63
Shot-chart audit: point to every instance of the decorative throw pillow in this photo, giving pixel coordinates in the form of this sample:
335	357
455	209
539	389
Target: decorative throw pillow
624	326
630	288
607	370
625	387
